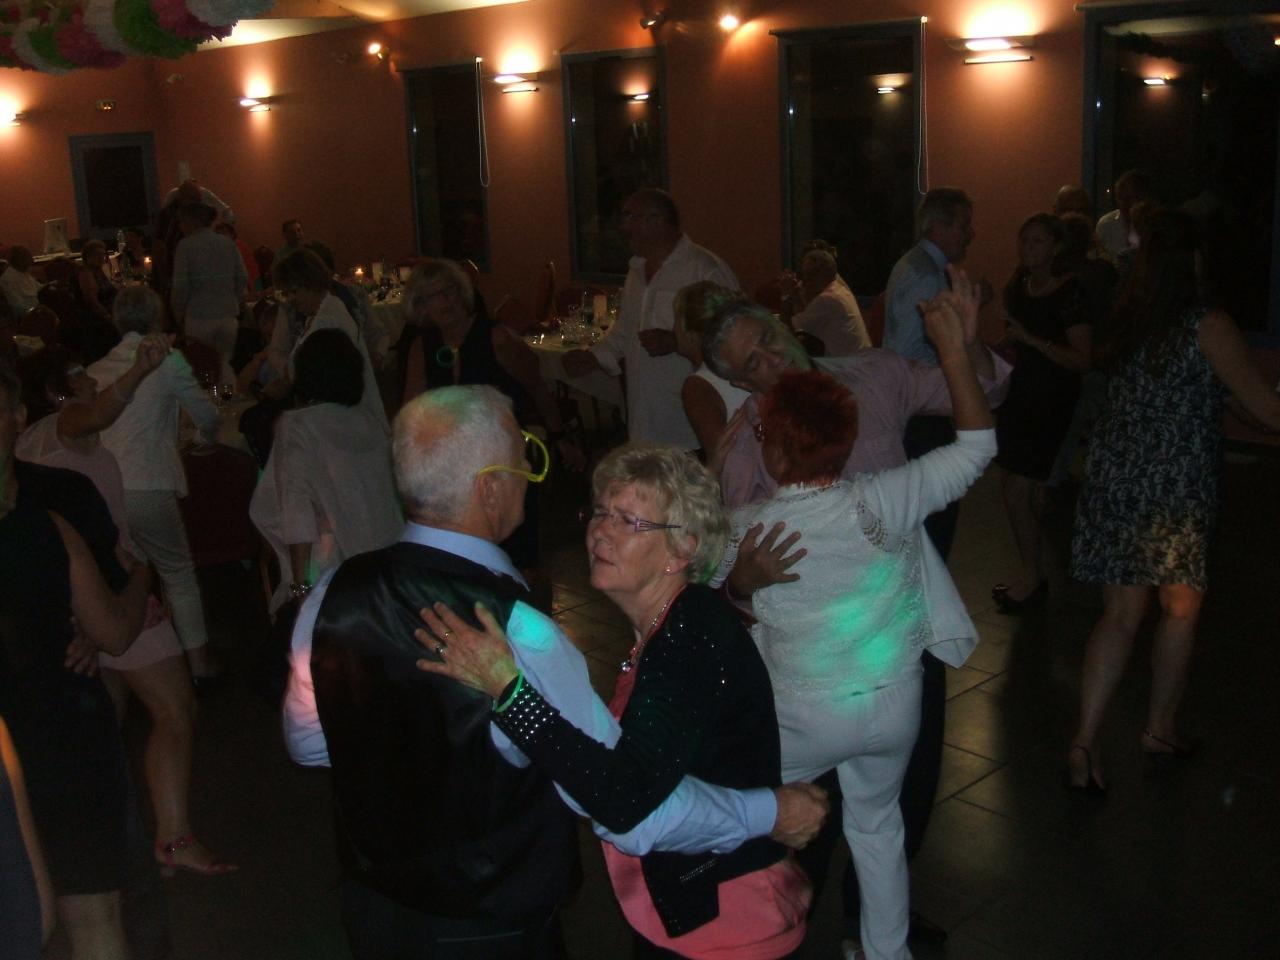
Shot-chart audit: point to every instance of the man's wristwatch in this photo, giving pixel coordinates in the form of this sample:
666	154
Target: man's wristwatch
299	589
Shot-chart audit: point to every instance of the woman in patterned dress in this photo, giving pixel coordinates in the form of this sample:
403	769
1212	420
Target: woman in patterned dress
1150	491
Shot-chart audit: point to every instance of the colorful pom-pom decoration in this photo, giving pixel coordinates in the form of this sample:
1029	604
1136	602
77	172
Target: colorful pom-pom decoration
55	36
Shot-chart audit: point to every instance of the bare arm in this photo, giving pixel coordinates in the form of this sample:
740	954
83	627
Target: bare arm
1076	355
949	319
27	827
705	411
83	419
109	622
1228	355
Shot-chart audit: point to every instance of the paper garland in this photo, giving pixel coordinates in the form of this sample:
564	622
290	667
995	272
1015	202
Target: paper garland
55	36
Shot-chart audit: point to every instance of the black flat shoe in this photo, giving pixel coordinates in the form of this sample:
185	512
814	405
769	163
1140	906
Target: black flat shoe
1185	750
1092	787
1032	601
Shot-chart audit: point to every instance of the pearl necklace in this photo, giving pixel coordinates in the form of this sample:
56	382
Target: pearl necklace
633	659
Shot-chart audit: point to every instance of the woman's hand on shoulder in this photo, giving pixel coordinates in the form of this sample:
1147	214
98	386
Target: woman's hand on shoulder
481	659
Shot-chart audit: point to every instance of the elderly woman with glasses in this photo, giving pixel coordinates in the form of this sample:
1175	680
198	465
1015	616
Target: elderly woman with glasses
842	639
693	699
460	345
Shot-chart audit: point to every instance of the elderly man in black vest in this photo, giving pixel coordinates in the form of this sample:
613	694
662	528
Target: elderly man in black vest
453	845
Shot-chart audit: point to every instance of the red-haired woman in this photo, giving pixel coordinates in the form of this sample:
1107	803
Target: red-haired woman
842	640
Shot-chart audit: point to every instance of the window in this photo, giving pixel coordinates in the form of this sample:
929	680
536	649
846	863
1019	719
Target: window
1206	136
616	145
448	180
115	183
851	149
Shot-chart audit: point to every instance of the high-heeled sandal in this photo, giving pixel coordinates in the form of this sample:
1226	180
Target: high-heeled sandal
1092	787
166	854
1185	750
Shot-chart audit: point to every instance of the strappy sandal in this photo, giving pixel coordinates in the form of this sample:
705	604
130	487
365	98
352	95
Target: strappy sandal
1092	787
166	854
1185	750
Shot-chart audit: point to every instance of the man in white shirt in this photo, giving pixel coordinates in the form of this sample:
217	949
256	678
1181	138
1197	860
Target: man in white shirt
17	285
1115	228
827	308
665	261
209	281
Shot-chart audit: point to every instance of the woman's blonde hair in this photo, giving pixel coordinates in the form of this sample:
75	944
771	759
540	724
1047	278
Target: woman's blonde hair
685	490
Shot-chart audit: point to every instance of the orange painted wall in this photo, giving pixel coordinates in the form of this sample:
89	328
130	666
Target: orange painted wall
35	161
334	152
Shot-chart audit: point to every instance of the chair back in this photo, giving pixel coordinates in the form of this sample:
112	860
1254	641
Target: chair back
515	315
39	322
204	360
61	269
768	294
544	292
873	318
215	512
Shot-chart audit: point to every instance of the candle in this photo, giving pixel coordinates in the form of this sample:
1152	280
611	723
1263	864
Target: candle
359	273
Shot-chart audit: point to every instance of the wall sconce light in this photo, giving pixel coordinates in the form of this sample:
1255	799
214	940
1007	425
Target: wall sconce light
105	106
994	49
651	20
729	22
16	119
883	90
524	87
378	50
509	78
256	104
1156	81
639	97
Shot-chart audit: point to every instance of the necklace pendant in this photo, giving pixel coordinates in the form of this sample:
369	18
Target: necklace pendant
626	666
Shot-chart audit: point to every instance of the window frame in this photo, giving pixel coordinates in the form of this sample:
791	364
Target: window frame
905	27
567	60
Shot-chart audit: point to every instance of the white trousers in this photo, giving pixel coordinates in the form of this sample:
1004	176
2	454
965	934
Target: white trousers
155	525
219	333
868	739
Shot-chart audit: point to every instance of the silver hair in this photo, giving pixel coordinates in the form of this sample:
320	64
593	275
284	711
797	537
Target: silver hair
940	205
137	309
441	440
684	489
722	325
433	272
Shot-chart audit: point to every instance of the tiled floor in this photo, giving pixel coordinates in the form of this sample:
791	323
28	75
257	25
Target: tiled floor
1177	861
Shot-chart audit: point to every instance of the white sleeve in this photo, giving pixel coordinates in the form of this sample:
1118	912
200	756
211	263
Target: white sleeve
903	496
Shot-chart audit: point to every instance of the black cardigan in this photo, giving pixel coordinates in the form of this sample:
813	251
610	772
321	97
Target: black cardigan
702	706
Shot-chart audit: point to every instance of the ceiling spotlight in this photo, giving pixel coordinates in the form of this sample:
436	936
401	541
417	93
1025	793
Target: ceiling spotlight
729	22
505	78
375	48
649	21
1156	81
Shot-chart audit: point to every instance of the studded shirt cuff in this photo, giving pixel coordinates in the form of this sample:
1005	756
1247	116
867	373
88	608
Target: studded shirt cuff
526	715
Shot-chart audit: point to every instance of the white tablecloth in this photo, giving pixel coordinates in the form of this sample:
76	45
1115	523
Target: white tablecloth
386	323
550	351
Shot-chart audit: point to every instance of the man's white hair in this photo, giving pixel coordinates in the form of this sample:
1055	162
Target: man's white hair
441	440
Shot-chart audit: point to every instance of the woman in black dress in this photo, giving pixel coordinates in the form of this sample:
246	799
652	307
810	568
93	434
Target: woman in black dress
1052	333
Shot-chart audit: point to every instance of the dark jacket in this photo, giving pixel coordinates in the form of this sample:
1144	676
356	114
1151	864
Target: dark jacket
702	706
429	814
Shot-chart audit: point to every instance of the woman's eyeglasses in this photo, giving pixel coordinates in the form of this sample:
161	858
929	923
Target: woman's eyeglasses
620	521
535	453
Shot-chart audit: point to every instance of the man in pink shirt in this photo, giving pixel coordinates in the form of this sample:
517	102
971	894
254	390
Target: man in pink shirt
751	349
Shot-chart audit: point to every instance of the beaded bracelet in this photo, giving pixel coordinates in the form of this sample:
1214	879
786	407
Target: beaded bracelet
518	685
